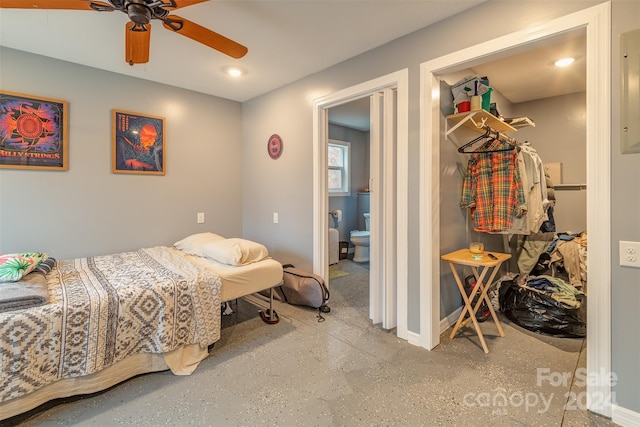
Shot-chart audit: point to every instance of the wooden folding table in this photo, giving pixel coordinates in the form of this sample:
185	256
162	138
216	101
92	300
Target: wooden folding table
464	257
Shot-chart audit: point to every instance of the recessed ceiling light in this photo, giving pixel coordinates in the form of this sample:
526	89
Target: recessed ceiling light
564	62
234	71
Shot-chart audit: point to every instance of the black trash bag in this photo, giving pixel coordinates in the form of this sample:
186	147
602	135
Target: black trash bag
539	312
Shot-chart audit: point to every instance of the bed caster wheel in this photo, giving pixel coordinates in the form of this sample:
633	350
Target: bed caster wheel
269	316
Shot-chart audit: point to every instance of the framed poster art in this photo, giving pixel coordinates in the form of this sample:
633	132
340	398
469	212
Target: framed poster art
138	143
33	132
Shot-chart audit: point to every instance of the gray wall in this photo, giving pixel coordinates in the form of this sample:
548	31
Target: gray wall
625	225
89	210
289	110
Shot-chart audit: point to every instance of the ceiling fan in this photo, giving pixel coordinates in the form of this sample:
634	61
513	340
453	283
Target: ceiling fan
138	29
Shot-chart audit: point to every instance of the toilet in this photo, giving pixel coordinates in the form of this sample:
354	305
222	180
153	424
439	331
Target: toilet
360	240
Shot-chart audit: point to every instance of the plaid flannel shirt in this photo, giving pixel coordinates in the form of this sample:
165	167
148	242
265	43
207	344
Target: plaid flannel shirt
492	189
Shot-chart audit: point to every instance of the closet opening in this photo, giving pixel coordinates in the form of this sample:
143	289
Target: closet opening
532	136
442	167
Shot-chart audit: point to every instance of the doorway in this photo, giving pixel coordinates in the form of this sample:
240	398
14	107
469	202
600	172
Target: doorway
389	135
349	178
349	202
596	23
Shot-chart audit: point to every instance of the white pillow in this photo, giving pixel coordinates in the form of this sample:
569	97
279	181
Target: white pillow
193	244
235	251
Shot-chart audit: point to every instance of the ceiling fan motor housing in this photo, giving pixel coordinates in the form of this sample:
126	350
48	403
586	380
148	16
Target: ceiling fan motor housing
138	12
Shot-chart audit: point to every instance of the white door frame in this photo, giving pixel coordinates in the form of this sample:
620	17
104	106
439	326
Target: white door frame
597	22
399	81
376	265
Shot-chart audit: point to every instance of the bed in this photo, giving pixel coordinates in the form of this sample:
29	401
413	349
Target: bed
109	318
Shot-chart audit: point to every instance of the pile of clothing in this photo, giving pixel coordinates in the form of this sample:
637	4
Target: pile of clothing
544	304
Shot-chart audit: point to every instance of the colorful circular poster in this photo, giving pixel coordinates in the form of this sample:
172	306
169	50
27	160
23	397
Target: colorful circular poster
274	146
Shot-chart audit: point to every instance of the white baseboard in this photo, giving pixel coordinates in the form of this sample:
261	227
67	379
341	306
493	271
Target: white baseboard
450	320
413	338
624	417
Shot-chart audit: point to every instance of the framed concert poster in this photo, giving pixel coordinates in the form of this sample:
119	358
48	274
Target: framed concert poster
33	132
138	145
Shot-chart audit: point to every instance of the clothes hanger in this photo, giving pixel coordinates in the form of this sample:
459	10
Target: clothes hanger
470	143
485	149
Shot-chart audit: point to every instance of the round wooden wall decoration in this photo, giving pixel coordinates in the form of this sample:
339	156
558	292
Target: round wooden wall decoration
274	146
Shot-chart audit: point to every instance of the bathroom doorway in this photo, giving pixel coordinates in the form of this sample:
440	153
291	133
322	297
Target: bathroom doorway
388	222
349	166
349	178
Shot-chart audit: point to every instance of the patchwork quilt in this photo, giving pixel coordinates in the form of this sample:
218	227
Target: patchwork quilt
103	309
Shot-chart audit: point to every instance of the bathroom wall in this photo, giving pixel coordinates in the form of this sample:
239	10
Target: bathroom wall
359	164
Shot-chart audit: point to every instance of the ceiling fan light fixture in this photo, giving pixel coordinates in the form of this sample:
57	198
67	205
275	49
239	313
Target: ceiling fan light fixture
564	62
234	71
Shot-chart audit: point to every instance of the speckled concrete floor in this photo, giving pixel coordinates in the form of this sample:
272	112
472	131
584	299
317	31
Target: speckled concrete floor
346	372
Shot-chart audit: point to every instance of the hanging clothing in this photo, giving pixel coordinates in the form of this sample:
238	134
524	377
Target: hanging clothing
529	179
531	247
550	224
537	212
492	189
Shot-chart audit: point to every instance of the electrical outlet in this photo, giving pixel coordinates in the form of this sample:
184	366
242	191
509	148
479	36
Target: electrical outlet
200	218
275	217
630	254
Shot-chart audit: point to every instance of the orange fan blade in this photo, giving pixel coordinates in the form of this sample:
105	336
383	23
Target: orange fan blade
184	3
46	4
137	44
205	36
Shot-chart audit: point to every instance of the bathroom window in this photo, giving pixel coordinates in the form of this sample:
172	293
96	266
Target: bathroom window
338	174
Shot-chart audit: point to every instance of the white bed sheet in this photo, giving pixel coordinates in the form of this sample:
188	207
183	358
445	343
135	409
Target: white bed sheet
245	279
